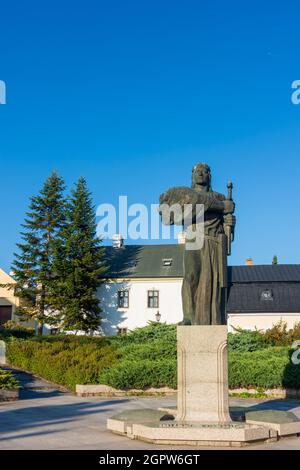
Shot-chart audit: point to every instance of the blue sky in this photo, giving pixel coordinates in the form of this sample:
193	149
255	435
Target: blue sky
130	94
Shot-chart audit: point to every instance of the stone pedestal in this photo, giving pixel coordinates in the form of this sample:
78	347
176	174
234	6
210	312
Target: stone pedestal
202	374
202	415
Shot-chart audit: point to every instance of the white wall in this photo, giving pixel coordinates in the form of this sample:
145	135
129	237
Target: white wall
170	307
260	321
138	313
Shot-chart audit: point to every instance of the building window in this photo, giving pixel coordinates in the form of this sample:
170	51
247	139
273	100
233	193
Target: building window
267	295
122	331
167	262
153	298
123	298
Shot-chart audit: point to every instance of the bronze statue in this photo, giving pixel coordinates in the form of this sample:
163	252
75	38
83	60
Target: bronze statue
204	288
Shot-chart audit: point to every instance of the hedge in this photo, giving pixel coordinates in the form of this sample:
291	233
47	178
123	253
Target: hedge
147	358
21	333
67	361
268	368
141	374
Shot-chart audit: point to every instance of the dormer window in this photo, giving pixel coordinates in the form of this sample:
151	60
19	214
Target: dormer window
267	295
167	262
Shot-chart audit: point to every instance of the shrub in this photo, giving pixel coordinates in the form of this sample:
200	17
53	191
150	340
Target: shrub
147	357
141	374
246	341
68	361
153	331
278	335
268	368
294	334
8	381
12	329
154	350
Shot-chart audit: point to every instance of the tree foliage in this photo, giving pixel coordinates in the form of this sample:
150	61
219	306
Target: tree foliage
78	265
32	266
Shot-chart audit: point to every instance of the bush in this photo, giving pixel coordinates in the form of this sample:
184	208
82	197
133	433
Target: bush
147	357
141	374
67	361
8	381
144	364
246	341
268	368
12	329
153	331
279	334
154	350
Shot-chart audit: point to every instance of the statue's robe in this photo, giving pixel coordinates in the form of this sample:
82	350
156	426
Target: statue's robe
205	269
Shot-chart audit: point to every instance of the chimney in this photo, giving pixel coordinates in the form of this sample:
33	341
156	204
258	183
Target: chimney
249	262
117	241
181	238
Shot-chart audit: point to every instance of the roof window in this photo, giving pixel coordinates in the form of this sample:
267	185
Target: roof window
167	262
266	295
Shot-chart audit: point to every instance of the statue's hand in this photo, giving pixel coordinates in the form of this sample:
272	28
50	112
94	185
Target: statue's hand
164	198
230	219
165	201
229	207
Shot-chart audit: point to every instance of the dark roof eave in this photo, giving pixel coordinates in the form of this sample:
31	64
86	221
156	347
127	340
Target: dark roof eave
264	311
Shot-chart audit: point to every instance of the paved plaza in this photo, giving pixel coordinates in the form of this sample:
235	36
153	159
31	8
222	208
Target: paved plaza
48	418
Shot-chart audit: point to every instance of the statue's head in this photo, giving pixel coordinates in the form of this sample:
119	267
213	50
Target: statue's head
201	176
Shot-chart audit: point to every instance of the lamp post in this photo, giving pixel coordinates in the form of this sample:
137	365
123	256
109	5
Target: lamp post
158	316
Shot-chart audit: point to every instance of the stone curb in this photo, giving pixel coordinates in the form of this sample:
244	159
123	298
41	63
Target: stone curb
9	394
107	391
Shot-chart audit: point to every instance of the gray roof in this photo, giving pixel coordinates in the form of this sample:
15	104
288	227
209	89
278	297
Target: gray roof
245	298
142	261
262	273
246	283
147	261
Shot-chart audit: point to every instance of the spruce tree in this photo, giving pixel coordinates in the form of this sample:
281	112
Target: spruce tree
33	264
78	265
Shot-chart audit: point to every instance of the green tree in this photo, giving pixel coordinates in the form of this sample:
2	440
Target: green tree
275	260
33	264
78	265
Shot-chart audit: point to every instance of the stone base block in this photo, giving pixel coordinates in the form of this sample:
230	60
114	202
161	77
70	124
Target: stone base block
161	428
283	422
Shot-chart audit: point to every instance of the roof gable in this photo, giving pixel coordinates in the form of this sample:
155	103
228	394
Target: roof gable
6	278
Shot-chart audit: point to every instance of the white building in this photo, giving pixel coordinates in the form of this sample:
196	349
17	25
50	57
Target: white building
143	283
